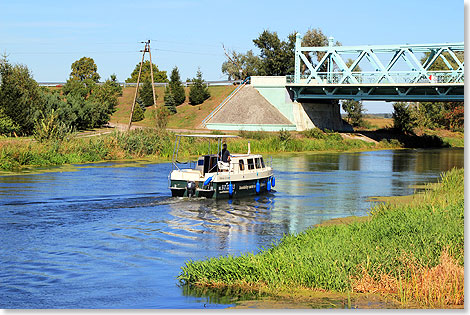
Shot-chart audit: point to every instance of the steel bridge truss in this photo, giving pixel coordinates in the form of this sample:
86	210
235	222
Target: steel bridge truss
327	75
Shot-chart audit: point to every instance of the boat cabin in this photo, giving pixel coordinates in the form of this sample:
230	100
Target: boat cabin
238	163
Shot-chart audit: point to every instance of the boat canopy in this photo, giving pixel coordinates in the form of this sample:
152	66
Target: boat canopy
219	138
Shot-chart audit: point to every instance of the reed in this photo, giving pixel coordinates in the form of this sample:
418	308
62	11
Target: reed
149	143
368	256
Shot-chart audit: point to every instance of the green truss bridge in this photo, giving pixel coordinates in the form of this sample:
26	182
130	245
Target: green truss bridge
378	72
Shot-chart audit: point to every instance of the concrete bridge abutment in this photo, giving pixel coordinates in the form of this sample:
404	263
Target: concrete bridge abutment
324	114
267	104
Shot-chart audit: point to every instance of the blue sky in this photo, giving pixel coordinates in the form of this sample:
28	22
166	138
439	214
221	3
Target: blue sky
48	36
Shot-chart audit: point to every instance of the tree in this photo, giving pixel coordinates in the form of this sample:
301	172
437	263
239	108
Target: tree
439	63
91	104
403	119
277	57
20	98
146	93
314	38
453	117
138	114
198	92
84	68
54	102
107	94
357	68
169	100
249	63
158	76
355	110
176	88
428	114
441	114
79	88
114	83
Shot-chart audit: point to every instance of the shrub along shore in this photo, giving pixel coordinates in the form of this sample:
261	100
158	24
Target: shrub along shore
412	252
155	144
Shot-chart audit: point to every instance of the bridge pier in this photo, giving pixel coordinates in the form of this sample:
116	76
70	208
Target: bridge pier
324	115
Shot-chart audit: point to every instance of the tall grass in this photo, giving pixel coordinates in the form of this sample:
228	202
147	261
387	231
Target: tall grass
148	143
347	257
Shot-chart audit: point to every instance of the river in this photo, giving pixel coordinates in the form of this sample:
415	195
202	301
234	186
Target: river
108	235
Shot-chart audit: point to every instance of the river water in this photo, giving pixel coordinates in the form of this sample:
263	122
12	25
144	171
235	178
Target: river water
109	235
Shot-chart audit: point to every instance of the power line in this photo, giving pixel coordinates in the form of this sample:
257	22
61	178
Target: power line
73	52
113	52
187	52
193	44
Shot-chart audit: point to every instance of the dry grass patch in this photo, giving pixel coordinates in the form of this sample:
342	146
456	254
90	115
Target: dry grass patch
435	287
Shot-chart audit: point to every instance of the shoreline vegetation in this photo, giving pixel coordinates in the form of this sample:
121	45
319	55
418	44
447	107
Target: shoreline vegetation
410	251
18	153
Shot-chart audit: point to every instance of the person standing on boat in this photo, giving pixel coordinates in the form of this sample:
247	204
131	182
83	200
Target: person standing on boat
224	155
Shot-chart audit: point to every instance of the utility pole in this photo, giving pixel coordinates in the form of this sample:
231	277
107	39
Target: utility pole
146	49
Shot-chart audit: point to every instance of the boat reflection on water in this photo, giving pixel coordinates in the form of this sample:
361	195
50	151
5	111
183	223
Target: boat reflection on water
231	224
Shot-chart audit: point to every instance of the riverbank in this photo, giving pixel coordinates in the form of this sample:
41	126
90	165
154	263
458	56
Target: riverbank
409	251
152	144
158	145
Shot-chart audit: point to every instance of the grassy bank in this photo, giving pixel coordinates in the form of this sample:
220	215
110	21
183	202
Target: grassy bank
187	117
15	154
413	252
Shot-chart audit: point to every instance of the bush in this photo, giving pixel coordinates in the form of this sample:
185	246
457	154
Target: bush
162	117
7	125
453	117
49	127
403	119
314	133
334	136
284	135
